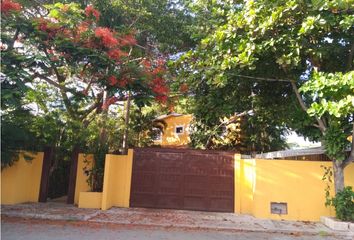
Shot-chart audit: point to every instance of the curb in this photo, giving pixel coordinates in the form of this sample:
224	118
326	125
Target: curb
84	218
337	225
189	227
90	218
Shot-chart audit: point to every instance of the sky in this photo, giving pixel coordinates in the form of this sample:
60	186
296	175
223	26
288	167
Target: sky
295	141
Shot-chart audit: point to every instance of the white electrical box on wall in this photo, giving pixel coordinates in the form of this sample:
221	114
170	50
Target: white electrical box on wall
280	208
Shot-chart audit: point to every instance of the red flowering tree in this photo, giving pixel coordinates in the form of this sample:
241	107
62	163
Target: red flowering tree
8	6
75	69
90	66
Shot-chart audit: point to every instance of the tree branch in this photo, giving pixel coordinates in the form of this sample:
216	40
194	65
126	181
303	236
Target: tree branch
87	111
298	96
320	122
133	22
350	57
54	83
231	120
86	122
61	79
11	46
120	38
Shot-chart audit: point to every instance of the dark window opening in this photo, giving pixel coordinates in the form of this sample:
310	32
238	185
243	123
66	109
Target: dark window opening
156	134
179	130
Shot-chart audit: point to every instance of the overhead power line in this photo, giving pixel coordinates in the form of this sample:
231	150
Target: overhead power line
263	79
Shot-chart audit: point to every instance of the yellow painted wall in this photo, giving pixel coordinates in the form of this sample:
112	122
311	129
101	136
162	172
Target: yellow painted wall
298	183
248	185
90	200
170	137
117	180
257	183
349	175
238	180
84	160
21	182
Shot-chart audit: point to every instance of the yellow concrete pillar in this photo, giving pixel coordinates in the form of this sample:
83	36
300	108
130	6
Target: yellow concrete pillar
245	177
117	180
249	174
21	182
85	161
237	182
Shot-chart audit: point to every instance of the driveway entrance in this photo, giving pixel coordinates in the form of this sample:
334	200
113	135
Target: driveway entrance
183	179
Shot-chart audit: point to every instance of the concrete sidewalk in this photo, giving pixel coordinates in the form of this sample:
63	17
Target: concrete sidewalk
168	218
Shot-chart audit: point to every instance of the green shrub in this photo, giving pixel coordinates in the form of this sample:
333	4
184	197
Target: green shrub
343	203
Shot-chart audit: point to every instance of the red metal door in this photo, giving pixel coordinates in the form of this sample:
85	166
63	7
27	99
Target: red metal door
183	179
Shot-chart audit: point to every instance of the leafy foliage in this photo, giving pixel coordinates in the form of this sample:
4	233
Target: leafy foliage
344	204
68	67
333	93
62	62
16	136
327	178
295	43
165	25
263	131
336	142
95	173
15	122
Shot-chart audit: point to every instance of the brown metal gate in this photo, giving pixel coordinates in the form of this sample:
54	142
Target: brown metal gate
183	179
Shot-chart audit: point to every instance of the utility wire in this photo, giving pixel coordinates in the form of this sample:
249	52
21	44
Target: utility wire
263	79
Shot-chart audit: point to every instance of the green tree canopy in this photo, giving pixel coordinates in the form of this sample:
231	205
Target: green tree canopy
283	42
63	67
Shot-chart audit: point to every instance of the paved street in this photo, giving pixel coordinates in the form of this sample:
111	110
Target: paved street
161	218
59	221
19	229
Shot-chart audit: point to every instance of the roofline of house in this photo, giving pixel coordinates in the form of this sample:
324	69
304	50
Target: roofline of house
162	117
291	153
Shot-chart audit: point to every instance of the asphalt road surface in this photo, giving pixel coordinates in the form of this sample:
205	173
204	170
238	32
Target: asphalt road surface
19	229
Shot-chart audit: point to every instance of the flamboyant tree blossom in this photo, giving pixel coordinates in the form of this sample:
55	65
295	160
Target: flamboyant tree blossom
91	66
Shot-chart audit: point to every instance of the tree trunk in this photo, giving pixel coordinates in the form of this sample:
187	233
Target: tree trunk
103	133
338	176
126	123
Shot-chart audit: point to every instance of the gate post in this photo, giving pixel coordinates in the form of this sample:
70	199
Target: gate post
72	177
47	160
117	180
